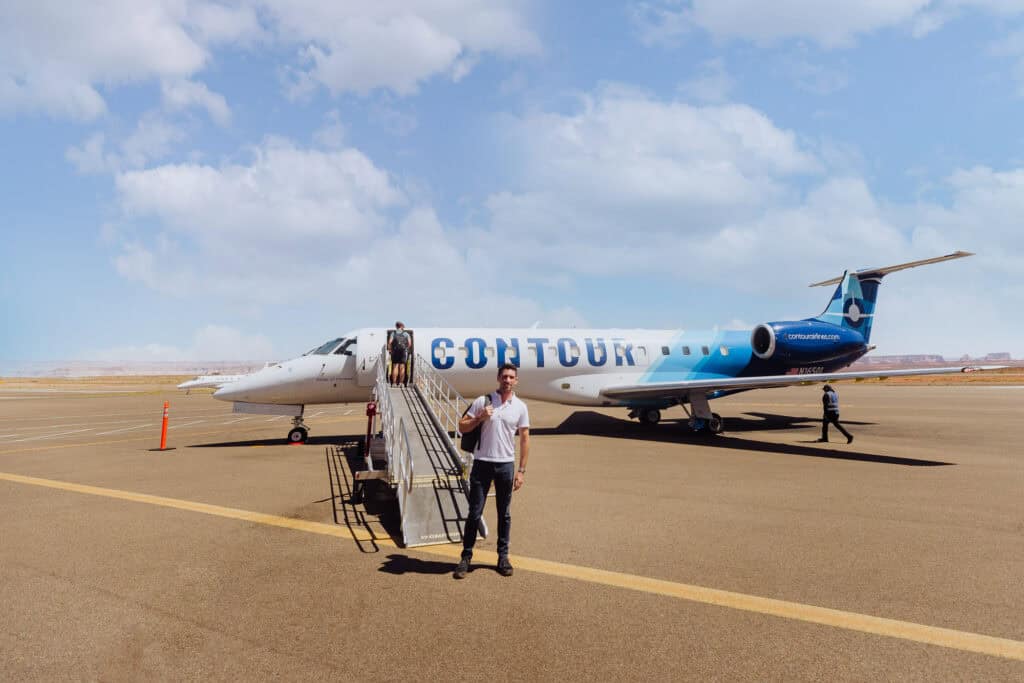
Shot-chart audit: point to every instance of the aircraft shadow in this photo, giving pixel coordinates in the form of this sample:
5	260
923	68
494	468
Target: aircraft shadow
771	421
591	423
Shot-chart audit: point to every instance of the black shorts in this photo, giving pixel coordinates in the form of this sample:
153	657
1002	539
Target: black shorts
398	356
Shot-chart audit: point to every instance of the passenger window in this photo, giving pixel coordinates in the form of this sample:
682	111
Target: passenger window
664	350
705	350
439	352
686	350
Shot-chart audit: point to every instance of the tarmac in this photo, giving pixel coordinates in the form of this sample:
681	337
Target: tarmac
640	552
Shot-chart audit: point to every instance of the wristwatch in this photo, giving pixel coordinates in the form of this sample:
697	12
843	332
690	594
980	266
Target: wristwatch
522	470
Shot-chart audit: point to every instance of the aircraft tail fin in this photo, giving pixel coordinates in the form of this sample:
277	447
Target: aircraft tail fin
853	303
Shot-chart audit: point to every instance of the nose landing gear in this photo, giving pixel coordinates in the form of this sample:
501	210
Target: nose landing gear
299	433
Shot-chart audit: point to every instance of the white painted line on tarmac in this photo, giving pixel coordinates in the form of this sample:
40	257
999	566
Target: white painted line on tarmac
52	436
127	429
316	413
275	418
231	422
187	424
347	412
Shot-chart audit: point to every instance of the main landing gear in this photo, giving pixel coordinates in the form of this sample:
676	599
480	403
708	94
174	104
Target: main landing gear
647	416
299	433
711	425
701	419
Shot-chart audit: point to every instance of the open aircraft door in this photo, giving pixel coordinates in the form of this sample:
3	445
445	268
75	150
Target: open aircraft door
370	345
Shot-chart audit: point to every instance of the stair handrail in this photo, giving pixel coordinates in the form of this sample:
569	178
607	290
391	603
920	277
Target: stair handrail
446	404
396	438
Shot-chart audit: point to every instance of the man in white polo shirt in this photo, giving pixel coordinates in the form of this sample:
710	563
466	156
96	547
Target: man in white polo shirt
501	414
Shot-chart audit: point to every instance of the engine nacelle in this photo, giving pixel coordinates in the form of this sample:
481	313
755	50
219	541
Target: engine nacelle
805	342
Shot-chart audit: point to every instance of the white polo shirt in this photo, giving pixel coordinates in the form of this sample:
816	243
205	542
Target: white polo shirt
498	435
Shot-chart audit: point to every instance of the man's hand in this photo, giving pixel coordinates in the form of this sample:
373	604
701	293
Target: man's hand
517	483
488	411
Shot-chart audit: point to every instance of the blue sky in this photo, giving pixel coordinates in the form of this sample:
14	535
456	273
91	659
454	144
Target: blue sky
199	180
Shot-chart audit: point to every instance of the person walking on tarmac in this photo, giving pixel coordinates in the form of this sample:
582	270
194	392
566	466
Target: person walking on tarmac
830	413
501	414
399	346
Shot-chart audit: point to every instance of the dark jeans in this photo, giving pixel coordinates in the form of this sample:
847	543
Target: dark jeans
480	478
829	416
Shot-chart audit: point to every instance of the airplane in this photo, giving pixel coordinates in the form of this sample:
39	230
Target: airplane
645	371
213	381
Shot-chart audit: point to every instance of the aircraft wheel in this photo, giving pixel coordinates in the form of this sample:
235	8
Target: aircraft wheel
650	416
716	425
298	435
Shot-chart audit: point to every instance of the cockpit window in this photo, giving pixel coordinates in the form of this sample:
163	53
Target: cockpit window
328	347
346	347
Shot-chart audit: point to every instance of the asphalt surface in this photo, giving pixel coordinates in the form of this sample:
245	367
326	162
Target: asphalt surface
640	552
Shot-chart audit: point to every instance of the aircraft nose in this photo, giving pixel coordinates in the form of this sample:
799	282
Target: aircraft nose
253	389
228	393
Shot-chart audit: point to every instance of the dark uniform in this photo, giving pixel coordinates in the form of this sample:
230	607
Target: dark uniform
830	413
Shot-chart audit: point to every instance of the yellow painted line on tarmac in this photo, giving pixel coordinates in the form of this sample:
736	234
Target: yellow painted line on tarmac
864	623
191	506
155	437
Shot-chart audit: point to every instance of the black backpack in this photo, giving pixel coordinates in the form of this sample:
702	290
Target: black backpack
471	439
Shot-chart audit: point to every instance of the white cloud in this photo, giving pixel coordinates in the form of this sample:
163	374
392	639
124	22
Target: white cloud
628	176
286	193
815	78
713	84
209	343
181	94
362	46
58	58
831	25
296	225
333	133
661	22
54	55
152	139
1012	45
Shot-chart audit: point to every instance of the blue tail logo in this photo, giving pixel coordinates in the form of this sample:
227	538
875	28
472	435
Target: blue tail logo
853	304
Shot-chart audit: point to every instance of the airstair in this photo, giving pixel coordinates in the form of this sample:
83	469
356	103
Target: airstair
413	444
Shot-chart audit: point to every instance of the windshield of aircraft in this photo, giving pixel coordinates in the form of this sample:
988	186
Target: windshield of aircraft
346	347
327	348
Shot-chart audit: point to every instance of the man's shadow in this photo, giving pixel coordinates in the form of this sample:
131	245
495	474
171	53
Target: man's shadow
403	564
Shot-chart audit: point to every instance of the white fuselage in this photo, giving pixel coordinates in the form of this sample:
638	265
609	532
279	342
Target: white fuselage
569	366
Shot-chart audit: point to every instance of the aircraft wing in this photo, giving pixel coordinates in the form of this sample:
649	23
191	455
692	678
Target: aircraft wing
209	381
654	390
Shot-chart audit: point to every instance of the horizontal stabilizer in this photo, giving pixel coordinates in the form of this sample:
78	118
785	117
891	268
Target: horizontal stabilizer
880	272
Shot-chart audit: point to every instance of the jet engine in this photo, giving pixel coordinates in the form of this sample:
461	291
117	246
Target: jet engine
805	341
